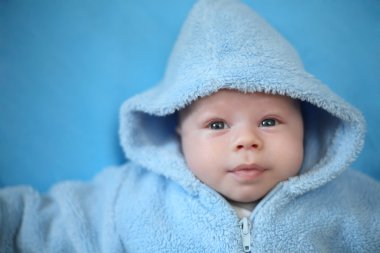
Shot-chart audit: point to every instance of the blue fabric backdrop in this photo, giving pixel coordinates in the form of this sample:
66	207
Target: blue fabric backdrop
66	67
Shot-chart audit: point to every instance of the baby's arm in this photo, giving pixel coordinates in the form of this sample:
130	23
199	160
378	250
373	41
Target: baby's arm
72	217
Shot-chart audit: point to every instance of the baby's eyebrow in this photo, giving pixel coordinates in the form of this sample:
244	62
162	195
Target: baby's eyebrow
209	114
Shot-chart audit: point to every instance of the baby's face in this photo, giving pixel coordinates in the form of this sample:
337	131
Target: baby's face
242	145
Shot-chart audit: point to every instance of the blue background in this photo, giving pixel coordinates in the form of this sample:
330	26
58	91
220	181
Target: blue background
66	67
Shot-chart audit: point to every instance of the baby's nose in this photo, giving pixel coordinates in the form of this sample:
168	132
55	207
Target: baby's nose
247	139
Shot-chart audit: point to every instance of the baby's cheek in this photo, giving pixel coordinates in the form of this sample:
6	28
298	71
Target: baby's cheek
194	159
295	162
298	156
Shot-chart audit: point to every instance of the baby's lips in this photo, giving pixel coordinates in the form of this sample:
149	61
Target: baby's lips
247	167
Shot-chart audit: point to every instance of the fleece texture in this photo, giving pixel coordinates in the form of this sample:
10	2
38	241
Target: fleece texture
155	204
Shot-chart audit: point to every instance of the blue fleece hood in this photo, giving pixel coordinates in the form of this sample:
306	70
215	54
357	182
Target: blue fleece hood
225	45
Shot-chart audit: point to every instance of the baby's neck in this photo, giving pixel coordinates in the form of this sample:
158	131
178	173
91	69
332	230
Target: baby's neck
243	209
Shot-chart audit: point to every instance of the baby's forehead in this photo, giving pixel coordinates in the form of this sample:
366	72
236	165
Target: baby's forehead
235	97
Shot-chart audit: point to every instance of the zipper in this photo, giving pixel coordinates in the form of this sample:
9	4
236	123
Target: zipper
245	224
245	230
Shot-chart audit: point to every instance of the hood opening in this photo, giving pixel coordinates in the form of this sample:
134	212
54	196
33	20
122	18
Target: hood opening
319	131
155	131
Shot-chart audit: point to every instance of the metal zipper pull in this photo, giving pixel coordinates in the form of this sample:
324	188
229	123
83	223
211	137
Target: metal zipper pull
245	228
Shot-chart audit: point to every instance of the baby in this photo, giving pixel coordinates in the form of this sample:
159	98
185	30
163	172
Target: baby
238	149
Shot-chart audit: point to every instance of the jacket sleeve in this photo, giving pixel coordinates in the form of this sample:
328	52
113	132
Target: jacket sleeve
71	217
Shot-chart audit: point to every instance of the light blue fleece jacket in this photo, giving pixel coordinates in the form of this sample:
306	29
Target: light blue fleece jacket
155	204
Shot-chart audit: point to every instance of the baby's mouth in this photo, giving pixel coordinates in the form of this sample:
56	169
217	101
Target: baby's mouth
247	172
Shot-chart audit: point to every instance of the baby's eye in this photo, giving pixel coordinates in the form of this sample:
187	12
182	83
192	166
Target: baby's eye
218	125
268	123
